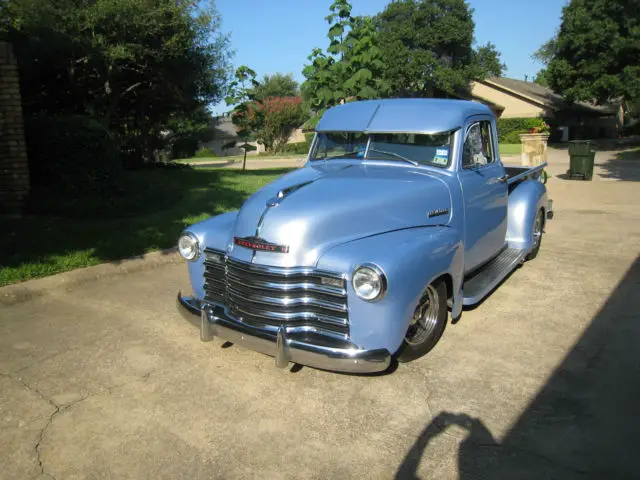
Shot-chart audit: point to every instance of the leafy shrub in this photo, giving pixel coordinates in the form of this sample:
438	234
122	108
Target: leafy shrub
308	137
271	120
511	137
72	154
205	152
298	148
510	128
184	147
632	129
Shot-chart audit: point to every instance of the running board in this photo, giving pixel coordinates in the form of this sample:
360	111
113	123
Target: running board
479	285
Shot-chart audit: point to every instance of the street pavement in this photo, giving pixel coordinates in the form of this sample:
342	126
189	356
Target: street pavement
542	380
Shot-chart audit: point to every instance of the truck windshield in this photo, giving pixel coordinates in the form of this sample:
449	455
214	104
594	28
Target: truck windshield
409	147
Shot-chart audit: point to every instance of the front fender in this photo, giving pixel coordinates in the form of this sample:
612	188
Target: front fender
525	200
411	259
215	233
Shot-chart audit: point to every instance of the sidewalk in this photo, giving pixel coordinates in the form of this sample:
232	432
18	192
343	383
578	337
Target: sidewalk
253	163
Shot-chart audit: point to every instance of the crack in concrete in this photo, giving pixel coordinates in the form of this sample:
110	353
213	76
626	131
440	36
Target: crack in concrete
59	408
39	361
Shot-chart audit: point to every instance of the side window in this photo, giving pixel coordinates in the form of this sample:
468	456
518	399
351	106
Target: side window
478	147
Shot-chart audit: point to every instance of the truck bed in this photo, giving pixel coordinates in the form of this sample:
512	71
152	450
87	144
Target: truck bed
518	174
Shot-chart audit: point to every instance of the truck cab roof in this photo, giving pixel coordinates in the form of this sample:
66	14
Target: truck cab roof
401	115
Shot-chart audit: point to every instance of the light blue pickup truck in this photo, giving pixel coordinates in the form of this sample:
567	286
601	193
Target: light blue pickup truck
402	213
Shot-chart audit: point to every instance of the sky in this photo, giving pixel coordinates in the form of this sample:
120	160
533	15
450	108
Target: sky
273	36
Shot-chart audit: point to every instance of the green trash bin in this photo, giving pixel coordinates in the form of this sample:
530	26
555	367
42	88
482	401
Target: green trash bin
582	154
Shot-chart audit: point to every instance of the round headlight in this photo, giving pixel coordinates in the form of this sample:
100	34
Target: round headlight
188	246
369	282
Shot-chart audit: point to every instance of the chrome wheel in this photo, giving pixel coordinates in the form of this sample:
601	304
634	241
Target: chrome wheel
425	318
537	230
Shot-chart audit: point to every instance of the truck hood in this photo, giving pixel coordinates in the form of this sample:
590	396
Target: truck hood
317	207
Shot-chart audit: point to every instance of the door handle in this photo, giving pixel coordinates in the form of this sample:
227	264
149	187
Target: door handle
502	179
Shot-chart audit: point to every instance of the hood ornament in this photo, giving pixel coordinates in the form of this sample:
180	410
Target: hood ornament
275	201
257	243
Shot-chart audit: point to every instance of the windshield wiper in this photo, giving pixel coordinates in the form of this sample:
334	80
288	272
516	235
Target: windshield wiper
396	155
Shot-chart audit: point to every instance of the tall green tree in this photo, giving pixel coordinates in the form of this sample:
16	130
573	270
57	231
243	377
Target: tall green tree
276	85
351	66
427	48
132	65
486	59
245	115
541	78
596	54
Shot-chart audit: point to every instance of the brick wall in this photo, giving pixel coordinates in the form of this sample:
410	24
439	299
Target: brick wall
14	169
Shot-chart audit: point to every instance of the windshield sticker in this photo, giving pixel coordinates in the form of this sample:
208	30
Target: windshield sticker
361	152
441	157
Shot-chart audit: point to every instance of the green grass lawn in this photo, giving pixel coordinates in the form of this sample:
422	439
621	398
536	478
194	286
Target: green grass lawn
160	204
510	148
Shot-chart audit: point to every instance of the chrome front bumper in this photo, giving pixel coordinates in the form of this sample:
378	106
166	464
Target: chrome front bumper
213	321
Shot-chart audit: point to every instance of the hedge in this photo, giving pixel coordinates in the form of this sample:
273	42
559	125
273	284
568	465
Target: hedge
509	129
298	148
205	152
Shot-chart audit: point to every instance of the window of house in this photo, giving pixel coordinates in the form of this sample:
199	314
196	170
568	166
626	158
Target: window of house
478	146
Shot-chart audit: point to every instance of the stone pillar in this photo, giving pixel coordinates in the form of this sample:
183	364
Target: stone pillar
14	168
534	148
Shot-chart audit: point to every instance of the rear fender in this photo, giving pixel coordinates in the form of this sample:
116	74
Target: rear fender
525	200
411	259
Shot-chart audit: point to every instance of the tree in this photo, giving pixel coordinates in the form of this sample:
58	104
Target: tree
427	48
270	120
487	61
596	54
244	115
132	65
279	116
276	85
350	68
542	78
546	52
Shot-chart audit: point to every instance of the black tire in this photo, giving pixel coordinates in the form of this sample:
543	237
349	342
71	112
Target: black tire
537	235
428	326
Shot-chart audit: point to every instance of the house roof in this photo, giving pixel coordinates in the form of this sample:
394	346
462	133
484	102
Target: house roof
400	115
546	97
224	128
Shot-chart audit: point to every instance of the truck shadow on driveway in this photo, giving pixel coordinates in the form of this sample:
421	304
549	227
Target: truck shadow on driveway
583	422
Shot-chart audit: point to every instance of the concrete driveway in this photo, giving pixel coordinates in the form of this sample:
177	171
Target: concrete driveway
540	381
253	163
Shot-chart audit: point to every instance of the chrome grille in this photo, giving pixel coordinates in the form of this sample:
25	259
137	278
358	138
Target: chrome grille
272	296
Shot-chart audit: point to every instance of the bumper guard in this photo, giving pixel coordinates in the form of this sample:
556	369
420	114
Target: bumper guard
213	321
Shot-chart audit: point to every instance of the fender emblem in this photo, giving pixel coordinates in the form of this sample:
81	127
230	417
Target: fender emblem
439	211
256	243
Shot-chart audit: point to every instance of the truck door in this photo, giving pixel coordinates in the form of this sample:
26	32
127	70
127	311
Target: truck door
484	190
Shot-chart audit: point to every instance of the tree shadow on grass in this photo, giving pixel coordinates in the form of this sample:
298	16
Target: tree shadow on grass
582	423
39	245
